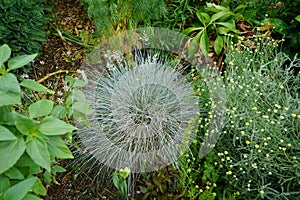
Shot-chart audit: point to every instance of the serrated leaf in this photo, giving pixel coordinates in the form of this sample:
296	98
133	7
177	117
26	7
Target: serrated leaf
15	148
14	173
37	149
38	188
58	148
53	126
218	46
6	134
9	90
33	85
298	18
4	54
20	61
19	191
40	108
204	43
25	125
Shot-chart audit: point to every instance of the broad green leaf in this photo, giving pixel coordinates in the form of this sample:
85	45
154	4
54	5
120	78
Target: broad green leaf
83	108
58	148
25	125
203	17
223	14
40	108
4	54
194	46
18	191
31	197
79	83
78	95
6	116
33	85
298	18
9	90
14	173
38	188
37	149
190	30
25	161
218	46
4	184
47	178
6	134
223	30
20	61
53	126
204	43
10	152
59	111
230	25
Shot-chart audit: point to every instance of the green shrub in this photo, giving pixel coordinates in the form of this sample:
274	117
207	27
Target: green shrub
112	16
260	145
22	25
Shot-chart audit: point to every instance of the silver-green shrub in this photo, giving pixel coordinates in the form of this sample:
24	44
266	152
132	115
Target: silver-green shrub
259	150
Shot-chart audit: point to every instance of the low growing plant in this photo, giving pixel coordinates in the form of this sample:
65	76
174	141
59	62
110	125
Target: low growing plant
23	25
260	145
219	23
30	135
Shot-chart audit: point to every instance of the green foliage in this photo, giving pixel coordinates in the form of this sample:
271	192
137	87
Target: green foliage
113	16
221	22
179	14
278	17
22	25
261	135
161	184
119	180
30	139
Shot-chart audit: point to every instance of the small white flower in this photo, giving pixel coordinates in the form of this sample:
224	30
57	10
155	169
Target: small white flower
24	76
60	100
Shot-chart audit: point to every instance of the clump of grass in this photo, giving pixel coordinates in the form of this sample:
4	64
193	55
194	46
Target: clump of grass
259	150
141	110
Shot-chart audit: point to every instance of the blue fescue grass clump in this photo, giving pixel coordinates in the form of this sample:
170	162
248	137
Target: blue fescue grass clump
142	110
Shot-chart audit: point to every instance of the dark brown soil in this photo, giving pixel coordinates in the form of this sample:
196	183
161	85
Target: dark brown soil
60	54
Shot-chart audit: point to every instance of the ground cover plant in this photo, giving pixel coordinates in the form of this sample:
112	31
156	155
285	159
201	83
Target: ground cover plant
23	25
257	156
261	135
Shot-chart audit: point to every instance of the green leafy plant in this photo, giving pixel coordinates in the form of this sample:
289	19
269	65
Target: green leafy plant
30	137
113	16
119	179
23	25
161	184
261	134
221	22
